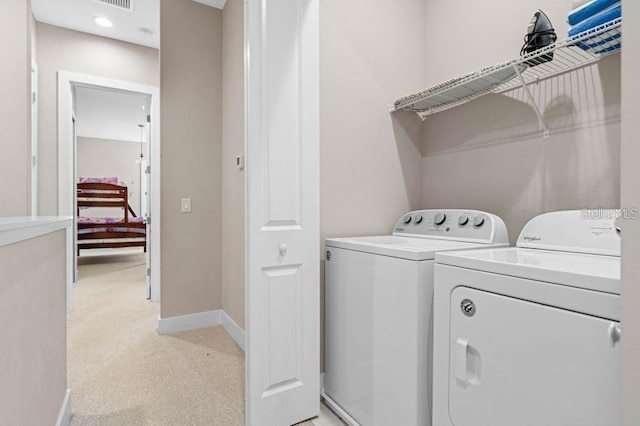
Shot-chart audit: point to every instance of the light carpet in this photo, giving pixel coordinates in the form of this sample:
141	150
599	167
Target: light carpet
121	372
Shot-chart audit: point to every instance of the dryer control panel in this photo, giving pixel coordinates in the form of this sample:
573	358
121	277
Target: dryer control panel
589	231
456	225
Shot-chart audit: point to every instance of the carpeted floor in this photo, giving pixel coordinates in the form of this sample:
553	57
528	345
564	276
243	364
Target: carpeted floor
121	372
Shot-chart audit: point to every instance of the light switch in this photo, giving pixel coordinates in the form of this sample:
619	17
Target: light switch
186	205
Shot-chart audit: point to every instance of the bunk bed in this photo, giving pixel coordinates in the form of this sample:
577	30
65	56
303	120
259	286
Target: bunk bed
123	228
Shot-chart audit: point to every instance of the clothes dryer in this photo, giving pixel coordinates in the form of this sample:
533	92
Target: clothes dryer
530	335
378	301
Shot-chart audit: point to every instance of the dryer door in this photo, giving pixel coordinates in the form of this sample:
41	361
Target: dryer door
514	362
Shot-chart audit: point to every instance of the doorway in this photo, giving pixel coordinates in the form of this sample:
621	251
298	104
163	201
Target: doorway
69	84
112	142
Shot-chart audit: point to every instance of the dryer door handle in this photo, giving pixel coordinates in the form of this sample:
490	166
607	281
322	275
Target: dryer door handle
467	364
462	346
615	333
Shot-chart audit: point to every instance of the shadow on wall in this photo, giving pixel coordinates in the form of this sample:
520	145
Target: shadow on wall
586	98
407	131
489	154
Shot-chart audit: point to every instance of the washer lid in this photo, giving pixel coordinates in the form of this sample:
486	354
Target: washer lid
409	248
588	271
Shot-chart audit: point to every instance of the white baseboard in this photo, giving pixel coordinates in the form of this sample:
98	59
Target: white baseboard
233	329
200	320
64	417
188	322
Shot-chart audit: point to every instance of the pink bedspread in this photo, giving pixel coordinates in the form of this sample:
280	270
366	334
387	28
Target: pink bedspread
110	221
100	220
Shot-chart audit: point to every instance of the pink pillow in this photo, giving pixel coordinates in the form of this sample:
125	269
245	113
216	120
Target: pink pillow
112	180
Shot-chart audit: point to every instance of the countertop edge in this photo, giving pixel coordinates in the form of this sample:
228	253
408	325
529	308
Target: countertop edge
16	229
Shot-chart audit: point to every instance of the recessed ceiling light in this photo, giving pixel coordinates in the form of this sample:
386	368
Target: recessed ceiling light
102	21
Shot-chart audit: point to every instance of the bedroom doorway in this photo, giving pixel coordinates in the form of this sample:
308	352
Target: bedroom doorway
112	141
133	143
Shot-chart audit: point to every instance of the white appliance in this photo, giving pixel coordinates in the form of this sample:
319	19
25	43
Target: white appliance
378	300
530	335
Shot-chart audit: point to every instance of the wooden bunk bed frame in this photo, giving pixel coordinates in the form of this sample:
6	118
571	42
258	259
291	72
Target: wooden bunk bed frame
91	194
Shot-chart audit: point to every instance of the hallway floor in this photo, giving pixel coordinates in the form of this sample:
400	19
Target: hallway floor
121	372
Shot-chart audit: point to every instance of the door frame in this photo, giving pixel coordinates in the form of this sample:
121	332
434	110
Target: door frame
34	139
66	160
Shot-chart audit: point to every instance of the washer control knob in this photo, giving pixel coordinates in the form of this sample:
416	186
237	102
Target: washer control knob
478	221
418	219
463	220
439	218
407	219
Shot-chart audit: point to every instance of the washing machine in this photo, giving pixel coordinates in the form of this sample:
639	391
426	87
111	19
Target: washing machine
530	335
378	314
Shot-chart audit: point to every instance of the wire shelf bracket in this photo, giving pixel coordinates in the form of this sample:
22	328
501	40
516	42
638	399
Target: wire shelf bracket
541	121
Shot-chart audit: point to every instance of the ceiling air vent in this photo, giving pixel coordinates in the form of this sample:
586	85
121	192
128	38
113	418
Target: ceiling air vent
122	4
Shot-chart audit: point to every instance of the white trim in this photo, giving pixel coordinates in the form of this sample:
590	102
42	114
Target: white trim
34	160
188	322
64	417
201	320
71	265
233	329
321	383
66	154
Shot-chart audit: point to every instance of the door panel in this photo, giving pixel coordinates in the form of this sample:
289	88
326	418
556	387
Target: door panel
281	99
282	355
517	362
282	329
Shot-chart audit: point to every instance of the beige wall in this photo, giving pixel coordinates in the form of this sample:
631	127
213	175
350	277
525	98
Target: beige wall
631	228
489	154
462	36
370	54
370	162
33	358
191	122
67	50
233	145
108	158
15	107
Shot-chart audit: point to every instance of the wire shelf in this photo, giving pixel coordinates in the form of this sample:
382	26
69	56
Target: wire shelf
569	54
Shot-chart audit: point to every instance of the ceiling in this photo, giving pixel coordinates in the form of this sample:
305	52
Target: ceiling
101	113
139	25
109	114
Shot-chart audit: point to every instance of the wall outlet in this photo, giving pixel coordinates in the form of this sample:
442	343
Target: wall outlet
186	205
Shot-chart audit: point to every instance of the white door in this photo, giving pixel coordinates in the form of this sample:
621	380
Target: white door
514	362
282	146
